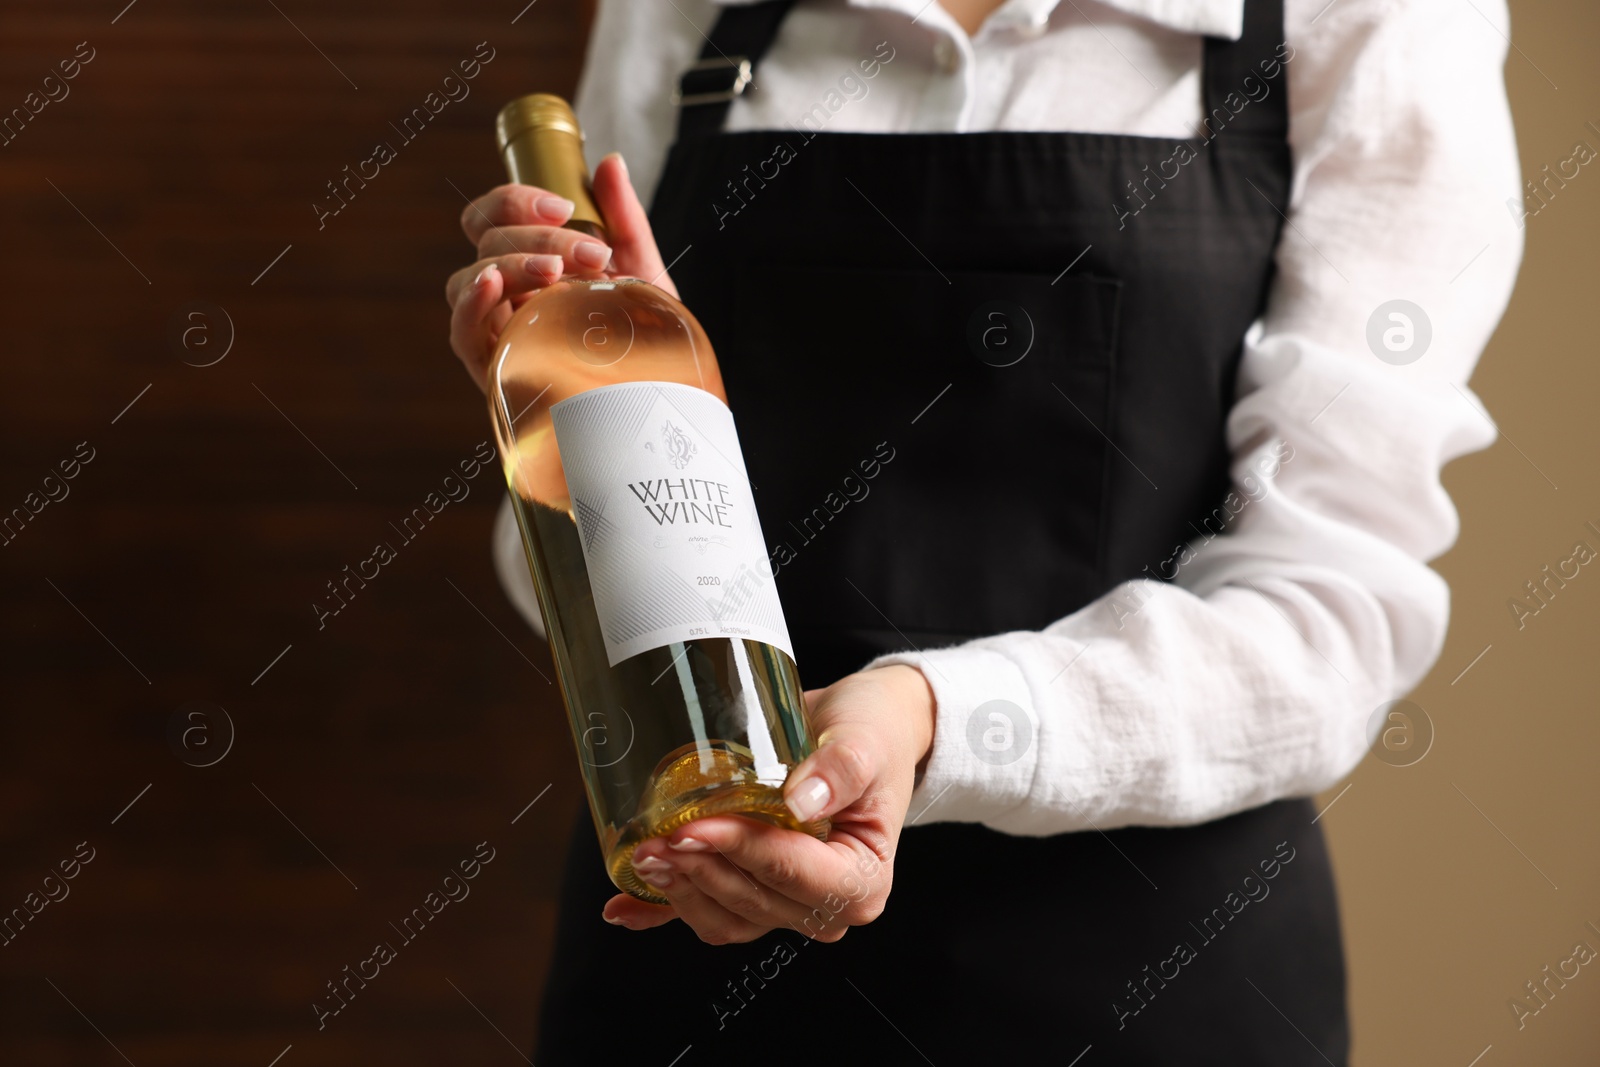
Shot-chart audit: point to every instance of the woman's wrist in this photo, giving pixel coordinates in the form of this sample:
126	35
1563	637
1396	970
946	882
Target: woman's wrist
915	700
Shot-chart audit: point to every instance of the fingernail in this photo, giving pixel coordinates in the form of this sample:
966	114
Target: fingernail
651	863
687	843
623	163
483	275
592	254
555	208
544	266
658	879
615	920
809	798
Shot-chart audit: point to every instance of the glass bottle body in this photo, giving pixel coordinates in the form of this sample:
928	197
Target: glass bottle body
655	611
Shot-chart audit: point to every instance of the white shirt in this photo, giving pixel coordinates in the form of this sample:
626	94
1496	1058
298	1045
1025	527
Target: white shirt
1253	675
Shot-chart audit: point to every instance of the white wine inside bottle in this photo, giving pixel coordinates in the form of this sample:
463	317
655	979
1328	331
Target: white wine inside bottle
633	502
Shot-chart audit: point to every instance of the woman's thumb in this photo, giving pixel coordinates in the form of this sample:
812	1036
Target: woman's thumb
836	775
633	245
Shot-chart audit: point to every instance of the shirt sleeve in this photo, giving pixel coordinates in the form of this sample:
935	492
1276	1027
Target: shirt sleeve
1252	674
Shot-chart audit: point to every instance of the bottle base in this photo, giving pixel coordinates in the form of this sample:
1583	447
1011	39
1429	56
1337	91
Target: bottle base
683	796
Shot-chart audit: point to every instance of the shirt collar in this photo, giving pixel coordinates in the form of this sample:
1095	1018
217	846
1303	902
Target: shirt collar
1210	18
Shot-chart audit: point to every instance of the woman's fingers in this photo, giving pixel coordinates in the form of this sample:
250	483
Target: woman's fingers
479	308
837	883
524	218
627	225
582	254
706	915
744	894
793	864
839	773
476	318
513	205
521	273
729	877
636	914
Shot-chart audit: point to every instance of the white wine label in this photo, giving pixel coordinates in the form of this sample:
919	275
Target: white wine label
666	518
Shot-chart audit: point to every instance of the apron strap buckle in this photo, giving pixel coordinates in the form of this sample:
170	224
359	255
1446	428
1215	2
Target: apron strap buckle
712	81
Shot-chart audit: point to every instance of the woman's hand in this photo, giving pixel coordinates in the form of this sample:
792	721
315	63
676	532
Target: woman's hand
522	247
733	879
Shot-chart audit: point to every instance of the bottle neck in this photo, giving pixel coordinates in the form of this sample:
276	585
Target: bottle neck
551	158
587	228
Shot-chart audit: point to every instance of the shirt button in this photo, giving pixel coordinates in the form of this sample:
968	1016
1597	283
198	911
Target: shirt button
945	55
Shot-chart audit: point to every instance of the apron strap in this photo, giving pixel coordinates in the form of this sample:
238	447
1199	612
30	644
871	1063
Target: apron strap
740	38
1240	69
1232	69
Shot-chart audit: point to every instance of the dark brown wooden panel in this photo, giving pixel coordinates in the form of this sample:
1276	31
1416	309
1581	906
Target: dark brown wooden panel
378	750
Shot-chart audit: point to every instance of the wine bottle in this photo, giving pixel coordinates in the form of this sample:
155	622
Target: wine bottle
624	470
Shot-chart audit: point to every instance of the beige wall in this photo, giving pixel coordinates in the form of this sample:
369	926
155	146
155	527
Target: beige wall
1446	915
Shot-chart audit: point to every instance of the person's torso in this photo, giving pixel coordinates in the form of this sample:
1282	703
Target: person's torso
978	379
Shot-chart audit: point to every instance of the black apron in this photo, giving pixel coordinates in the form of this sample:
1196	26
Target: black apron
1041	331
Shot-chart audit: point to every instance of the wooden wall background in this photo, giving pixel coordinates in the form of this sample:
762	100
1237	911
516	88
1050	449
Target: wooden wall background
187	553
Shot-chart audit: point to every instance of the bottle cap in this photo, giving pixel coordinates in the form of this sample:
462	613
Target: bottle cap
542	144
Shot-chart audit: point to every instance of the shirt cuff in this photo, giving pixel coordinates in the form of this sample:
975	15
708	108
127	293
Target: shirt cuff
985	752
